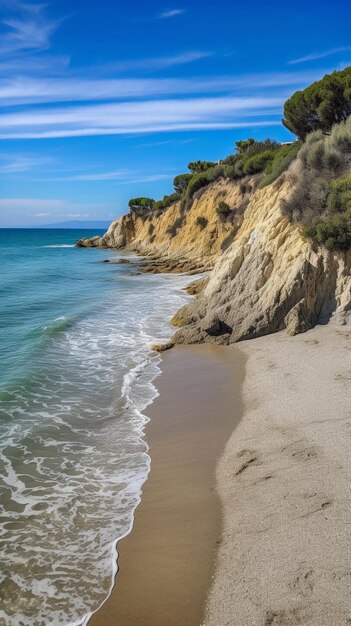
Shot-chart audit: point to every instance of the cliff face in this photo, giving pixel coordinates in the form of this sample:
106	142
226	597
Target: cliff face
265	276
268	279
175	235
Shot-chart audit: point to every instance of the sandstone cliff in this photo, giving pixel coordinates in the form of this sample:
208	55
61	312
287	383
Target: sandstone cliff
174	236
267	280
265	276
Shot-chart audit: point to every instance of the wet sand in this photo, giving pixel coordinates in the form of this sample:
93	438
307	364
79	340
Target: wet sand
167	562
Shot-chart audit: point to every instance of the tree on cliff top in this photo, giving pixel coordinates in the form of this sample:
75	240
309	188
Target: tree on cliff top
141	205
319	106
197	167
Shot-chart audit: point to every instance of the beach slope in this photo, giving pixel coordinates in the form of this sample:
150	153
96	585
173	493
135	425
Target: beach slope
284	480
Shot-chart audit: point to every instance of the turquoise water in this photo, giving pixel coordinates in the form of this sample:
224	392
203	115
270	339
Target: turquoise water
76	374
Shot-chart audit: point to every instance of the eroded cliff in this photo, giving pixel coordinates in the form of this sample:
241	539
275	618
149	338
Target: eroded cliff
265	276
269	279
181	239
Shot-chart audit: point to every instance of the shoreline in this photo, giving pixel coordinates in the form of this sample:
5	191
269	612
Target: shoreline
164	574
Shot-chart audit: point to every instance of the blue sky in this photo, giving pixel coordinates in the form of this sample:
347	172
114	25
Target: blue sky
102	101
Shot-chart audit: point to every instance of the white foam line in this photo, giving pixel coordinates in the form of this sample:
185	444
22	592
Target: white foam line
114	551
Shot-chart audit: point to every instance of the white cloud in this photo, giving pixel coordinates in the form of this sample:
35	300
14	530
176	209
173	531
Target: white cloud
101	176
28	28
95	176
319	55
155	63
53	65
170	13
146	179
123	177
22	90
21	163
138	117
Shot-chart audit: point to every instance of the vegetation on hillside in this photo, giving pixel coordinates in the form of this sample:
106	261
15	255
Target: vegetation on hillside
251	157
321	199
319	106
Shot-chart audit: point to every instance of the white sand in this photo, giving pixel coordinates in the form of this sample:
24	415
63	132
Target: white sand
284	480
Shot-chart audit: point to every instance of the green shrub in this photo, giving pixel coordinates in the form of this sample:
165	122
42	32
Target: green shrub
319	106
281	162
223	209
141	206
334	231
181	182
201	221
251	158
258	162
321	198
328	154
250	147
196	167
198	181
167	201
229	172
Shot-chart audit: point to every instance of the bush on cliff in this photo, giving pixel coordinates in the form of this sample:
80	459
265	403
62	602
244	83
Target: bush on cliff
321	196
181	182
281	161
258	162
196	167
223	209
319	106
201	221
333	229
141	206
198	181
160	205
251	157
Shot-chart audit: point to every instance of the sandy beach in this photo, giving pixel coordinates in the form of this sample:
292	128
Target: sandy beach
167	562
284	480
280	553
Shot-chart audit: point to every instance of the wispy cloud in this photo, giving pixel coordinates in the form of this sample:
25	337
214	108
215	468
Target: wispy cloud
313	56
28	27
93	176
44	65
138	117
146	179
40	90
170	13
156	63
19	163
123	177
151	144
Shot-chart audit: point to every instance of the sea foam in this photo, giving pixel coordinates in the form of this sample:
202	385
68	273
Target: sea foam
72	451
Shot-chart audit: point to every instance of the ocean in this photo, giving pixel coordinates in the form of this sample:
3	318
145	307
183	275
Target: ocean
76	374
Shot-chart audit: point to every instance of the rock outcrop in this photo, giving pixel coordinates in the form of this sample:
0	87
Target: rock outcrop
267	280
174	239
265	276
